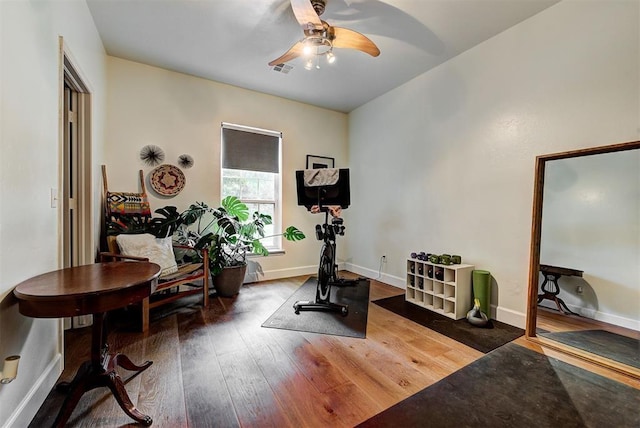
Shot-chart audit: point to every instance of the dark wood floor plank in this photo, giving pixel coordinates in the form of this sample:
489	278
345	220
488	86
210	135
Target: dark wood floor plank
161	393
255	402
207	399
287	381
289	385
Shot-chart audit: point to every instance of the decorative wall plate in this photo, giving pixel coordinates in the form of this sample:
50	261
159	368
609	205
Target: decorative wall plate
151	155
167	180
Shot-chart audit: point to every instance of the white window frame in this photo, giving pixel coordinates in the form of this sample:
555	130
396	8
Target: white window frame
277	211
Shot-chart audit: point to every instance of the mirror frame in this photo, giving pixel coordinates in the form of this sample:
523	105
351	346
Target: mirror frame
534	260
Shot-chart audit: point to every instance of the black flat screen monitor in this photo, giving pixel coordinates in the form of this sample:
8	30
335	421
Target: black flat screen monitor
335	194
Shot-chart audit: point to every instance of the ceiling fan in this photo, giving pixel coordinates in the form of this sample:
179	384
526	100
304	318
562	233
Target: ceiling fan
320	38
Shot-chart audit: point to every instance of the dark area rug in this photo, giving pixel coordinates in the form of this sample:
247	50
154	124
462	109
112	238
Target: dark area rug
516	387
354	324
623	349
484	339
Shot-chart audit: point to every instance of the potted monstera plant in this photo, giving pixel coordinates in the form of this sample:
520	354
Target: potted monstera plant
229	232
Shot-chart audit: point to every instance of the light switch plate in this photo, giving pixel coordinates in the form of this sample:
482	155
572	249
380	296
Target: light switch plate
54	197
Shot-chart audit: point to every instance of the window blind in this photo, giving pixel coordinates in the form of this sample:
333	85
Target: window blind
248	150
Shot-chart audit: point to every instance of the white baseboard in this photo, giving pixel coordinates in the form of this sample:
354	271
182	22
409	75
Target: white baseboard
29	406
254	276
598	316
370	273
509	316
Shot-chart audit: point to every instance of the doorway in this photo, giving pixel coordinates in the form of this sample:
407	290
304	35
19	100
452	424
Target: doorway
76	240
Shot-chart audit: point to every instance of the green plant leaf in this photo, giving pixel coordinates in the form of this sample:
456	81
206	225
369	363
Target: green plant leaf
265	219
293	234
228	226
258	248
194	212
205	241
166	225
236	208
248	230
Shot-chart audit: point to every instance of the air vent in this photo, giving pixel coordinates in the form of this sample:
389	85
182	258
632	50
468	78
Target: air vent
282	68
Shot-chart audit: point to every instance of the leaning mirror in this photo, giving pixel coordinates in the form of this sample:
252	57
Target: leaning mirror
584	272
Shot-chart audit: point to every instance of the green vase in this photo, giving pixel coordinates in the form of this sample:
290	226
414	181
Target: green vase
482	290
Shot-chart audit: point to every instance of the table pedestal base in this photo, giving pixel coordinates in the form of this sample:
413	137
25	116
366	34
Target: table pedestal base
100	372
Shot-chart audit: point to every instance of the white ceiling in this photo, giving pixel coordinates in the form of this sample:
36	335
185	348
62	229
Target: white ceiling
231	41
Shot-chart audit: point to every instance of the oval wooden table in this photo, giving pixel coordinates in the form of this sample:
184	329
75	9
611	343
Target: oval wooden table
91	289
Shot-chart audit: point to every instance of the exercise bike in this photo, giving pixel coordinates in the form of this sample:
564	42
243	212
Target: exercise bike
336	193
327	268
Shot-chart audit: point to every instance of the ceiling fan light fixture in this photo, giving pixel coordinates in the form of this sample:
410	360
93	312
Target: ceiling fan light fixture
309	64
315	46
331	58
319	37
307	50
318	45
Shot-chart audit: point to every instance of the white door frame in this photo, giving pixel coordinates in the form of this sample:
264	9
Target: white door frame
83	202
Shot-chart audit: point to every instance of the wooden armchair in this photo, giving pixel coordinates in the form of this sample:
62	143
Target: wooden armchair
187	280
127	219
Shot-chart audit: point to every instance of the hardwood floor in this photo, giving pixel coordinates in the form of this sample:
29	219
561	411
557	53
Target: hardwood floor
220	368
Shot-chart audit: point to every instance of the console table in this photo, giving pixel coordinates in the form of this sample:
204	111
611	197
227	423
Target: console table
550	288
91	289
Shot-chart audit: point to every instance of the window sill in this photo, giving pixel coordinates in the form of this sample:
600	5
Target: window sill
271	253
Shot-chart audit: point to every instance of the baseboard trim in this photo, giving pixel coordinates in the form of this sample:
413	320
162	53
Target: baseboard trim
370	273
27	409
255	276
509	316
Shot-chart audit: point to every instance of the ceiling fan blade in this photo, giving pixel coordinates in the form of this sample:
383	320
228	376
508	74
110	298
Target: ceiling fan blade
294	52
345	38
306	14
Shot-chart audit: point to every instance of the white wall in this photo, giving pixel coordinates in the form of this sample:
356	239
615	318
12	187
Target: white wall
182	114
591	222
445	163
29	73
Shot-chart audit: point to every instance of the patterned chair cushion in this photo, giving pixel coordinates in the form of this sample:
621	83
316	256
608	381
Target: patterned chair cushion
126	212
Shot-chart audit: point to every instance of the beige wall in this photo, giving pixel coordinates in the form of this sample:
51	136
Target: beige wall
457	144
182	114
29	95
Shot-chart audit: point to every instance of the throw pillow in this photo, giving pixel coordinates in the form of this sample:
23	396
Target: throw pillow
157	250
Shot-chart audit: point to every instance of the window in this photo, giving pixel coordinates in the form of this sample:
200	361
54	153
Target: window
251	159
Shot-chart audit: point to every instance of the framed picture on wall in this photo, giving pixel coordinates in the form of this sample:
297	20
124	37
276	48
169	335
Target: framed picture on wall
315	162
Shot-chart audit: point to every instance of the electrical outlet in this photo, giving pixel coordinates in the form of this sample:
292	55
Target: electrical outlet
384	259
